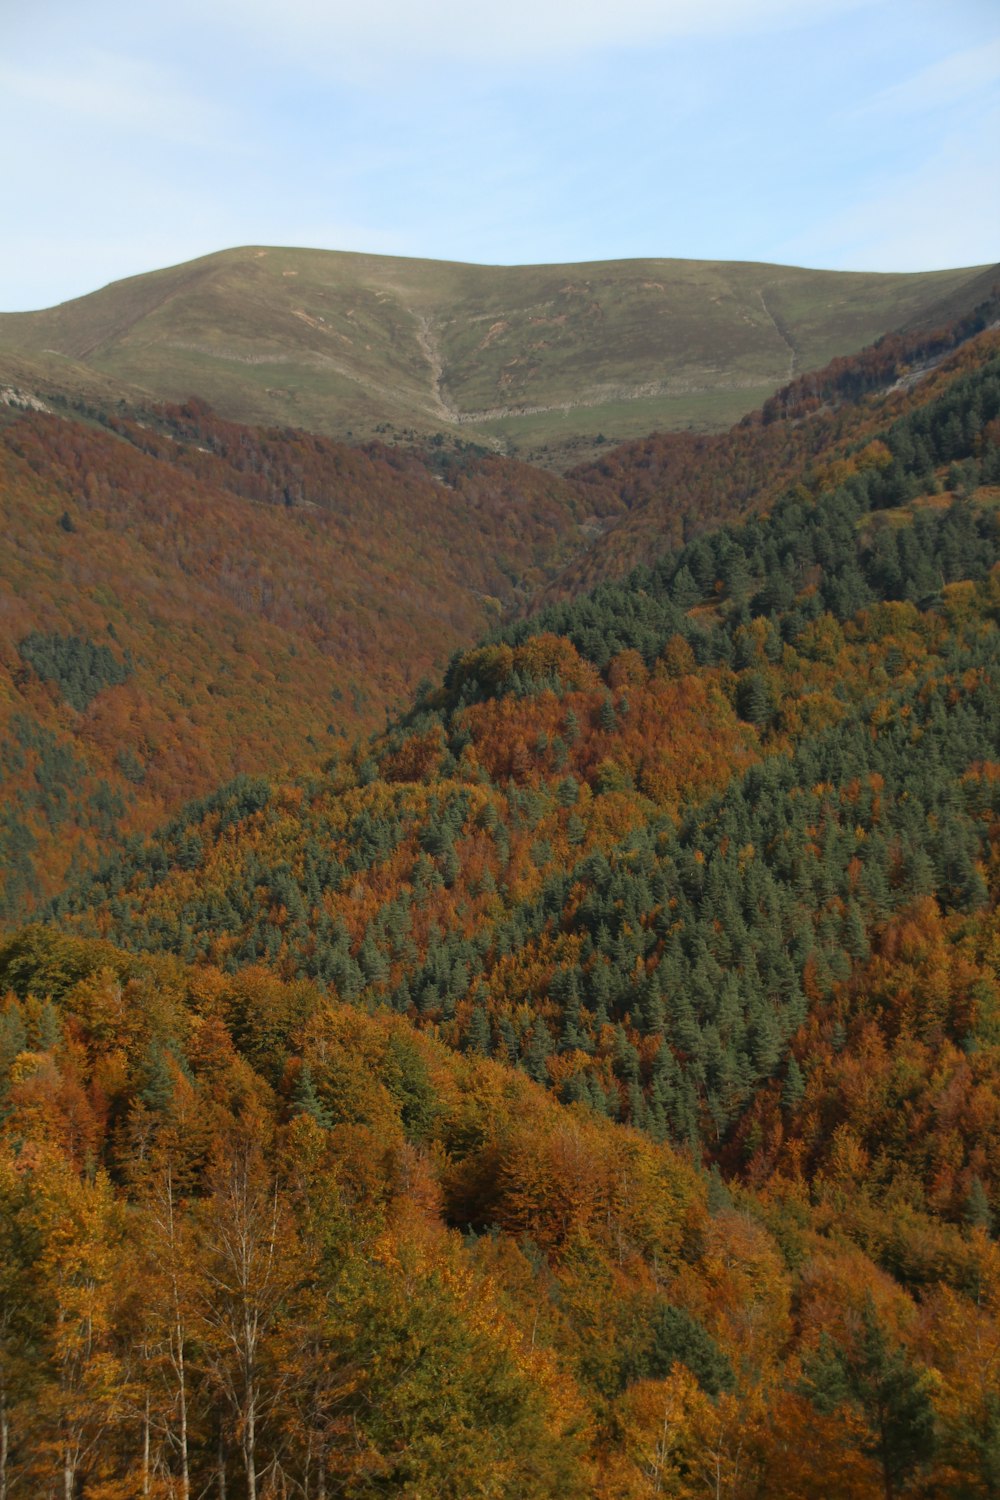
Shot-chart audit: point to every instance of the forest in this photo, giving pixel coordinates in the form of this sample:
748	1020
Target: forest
586	1083
186	598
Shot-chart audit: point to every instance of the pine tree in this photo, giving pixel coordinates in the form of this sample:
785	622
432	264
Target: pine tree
158	1088
306	1101
650	1011
508	1037
753	699
978	1214
719	1198
537	1052
890	1393
765	1041
855	938
568	792
675	1337
478	1037
626	1058
683	590
794	1088
574	1089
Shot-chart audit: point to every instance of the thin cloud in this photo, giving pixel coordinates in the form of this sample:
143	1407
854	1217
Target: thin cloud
104	88
940	215
953	80
519	31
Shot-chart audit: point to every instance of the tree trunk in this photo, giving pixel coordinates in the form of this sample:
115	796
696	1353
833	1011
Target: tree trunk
250	1447
183	1435
145	1449
164	1218
4	1447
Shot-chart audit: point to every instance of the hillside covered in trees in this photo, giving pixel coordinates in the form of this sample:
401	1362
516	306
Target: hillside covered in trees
259	1242
589	1083
676	484
185	598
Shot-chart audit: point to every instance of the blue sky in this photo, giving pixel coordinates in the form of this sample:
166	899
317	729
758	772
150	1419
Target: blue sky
861	134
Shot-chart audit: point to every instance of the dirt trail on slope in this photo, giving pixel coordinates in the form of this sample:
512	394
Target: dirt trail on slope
782	332
432	354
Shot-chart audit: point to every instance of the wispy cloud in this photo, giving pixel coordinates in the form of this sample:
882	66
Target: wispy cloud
954	80
519	30
835	132
943	213
106	89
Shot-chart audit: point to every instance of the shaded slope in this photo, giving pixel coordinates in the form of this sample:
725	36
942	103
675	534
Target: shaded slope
956	304
185	598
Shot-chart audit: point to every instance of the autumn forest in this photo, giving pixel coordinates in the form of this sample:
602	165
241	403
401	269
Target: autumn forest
500	964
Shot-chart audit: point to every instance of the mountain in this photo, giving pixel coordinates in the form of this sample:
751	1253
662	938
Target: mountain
675	485
272	575
184	598
586	1087
545	361
559	824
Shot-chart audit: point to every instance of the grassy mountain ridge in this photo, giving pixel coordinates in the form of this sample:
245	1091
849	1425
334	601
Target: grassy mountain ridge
535	358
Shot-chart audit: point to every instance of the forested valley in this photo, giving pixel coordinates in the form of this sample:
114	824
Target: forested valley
586	1083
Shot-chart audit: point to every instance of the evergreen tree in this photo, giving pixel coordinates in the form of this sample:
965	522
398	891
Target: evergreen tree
158	1086
794	1087
719	1197
576	832
306	1101
753	699
978	1214
890	1393
537	1052
674	1337
478	1037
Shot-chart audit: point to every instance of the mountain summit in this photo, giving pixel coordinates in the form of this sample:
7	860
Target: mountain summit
544	361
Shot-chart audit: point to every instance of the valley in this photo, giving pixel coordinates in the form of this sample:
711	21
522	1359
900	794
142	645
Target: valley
500	960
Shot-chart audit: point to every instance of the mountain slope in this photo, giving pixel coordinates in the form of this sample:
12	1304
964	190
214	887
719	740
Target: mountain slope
538	358
185	598
676	485
273	575
441	1282
589	1086
713	856
680	807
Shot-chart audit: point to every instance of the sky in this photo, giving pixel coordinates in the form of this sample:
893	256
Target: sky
848	134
